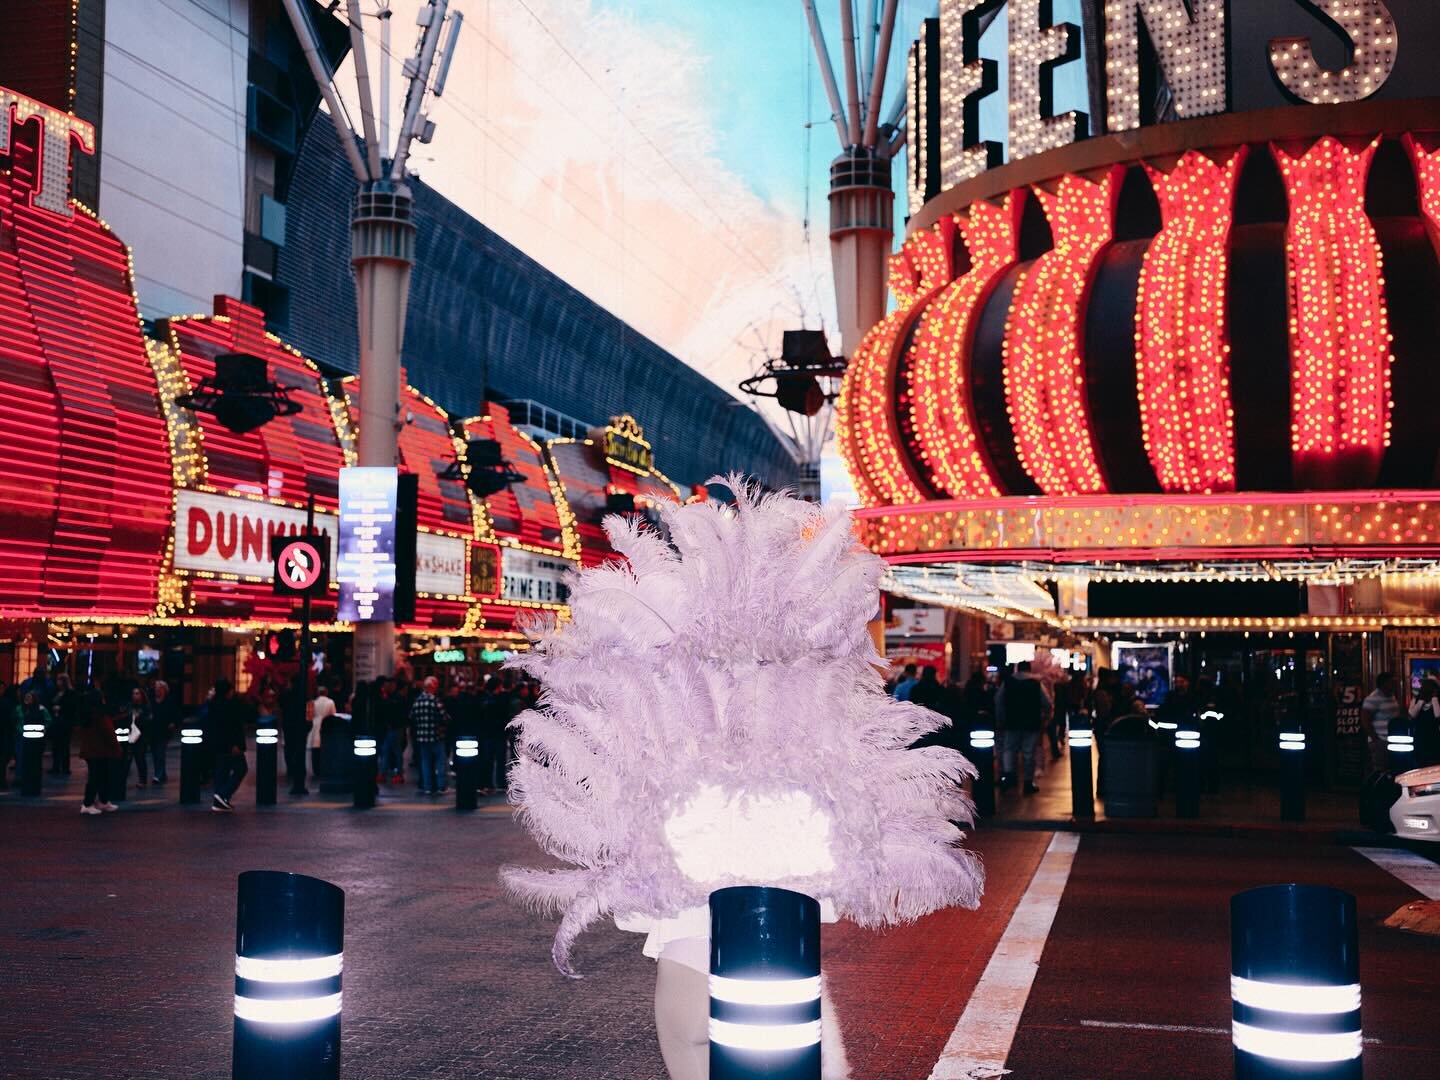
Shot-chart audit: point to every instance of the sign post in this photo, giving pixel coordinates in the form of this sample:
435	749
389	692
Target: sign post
302	568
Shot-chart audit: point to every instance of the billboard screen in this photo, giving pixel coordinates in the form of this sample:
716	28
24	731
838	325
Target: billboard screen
366	563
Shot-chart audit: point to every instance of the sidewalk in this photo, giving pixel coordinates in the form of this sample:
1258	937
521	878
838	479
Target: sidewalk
1240	808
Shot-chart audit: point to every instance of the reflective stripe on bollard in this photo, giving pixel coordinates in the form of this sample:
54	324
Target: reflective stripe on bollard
289	941
1295	983
764	984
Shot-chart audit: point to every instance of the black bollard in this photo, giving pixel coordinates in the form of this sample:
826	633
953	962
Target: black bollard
467	750
1292	776
364	781
1082	774
32	751
982	756
1295	983
192	740
764	984
267	752
1400	746
289	942
1187	772
120	778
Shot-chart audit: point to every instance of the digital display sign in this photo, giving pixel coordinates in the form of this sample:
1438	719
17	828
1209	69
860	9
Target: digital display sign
369	499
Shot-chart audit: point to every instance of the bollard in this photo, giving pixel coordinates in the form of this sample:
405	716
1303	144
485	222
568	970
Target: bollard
1082	775
192	740
1292	776
120	778
289	942
267	753
364	784
982	755
1187	773
1295	983
467	750
764	984
1400	746
32	749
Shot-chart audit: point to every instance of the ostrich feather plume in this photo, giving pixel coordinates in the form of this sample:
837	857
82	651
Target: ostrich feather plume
713	714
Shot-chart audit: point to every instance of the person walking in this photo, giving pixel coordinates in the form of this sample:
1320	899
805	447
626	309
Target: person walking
427	719
321	709
98	748
1376	713
137	713
392	711
227	721
165	719
1025	708
295	723
62	723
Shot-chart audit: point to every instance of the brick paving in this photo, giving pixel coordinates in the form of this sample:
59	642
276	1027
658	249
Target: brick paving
116	937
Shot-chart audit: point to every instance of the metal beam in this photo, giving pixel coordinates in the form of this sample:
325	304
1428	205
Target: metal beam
362	84
877	78
867	40
323	80
434	16
827	72
852	81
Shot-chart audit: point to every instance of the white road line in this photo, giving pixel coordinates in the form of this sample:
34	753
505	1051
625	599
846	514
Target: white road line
1418	872
980	1043
1184	1029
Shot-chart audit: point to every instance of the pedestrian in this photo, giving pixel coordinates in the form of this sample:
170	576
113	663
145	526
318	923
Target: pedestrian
927	692
99	749
392	710
137	715
227	721
9	702
427	720
292	714
30	711
907	683
62	723
1025	709
321	709
165	720
1425	723
1376	713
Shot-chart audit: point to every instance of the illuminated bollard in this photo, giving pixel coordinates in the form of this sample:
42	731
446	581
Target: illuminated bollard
1400	745
289	944
764	984
120	778
982	756
364	793
1292	776
32	750
192	741
1187	773
1082	774
1295	983
267	753
467	751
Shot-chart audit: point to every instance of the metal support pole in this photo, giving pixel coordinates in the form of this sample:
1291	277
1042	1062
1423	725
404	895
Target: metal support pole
32	750
1295	983
982	754
1292	776
764	984
298	755
289	949
467	753
1187	772
267	739
192	740
1082	772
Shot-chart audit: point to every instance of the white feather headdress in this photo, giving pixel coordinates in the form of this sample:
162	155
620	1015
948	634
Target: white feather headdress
730	672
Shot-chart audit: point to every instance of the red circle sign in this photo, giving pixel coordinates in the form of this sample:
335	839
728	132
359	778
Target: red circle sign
299	565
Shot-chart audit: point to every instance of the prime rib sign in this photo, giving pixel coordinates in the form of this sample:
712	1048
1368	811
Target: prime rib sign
230	535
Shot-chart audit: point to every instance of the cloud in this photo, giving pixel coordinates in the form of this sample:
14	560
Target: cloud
585	136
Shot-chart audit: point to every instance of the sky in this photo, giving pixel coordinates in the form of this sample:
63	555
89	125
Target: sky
653	153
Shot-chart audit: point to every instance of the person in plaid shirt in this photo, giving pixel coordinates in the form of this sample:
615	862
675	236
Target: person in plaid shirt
427	719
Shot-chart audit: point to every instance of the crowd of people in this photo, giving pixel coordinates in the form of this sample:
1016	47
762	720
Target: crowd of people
126	723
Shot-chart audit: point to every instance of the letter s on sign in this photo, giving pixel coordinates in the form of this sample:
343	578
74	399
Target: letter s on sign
1371	30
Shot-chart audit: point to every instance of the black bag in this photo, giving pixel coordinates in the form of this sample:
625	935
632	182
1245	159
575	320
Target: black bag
1377	794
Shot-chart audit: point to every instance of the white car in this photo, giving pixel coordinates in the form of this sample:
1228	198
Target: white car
1417	812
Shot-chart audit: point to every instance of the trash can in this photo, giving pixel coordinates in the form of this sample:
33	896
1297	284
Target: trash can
337	756
1130	769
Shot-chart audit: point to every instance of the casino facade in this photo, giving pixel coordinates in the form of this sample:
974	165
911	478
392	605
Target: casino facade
1164	367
